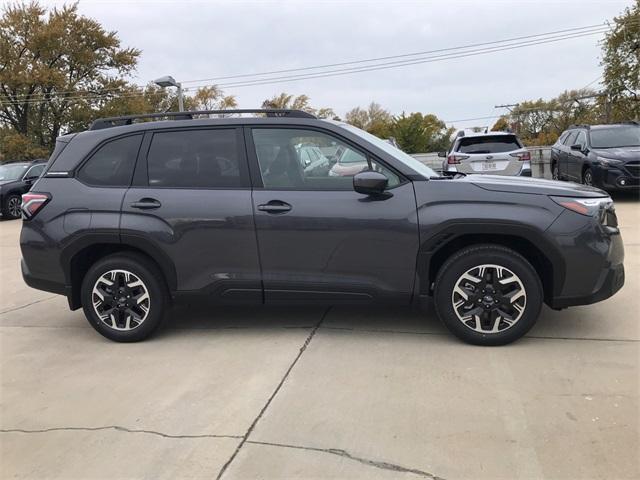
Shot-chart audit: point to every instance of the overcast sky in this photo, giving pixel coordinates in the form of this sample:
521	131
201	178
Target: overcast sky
194	40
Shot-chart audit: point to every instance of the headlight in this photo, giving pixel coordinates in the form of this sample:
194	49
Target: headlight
584	206
609	161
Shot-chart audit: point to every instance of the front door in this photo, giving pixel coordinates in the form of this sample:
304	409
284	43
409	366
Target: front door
320	240
576	158
192	198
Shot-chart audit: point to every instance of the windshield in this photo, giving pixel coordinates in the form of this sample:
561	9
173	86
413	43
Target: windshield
619	136
408	160
12	172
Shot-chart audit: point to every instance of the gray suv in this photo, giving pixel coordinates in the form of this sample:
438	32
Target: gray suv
133	215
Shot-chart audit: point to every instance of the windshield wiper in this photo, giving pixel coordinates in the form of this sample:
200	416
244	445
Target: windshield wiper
448	176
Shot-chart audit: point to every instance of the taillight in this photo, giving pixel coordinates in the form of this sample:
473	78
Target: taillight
32	203
455	159
522	156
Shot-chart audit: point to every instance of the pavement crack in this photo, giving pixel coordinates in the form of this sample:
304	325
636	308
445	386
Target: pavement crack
273	395
112	427
343	453
20	307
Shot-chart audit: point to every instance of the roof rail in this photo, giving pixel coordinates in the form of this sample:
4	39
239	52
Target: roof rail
579	125
109	122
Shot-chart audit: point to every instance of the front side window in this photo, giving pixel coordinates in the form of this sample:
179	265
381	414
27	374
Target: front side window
35	171
112	164
195	159
581	139
570	139
311	160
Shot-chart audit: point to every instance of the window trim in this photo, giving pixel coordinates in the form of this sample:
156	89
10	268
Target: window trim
94	150
254	164
141	175
571	132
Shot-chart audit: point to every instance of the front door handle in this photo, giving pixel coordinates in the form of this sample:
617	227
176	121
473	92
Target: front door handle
274	206
146	204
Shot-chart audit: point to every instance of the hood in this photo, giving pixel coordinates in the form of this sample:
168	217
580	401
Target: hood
4	182
622	153
503	183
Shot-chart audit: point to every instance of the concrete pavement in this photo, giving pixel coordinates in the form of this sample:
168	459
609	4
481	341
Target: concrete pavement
242	393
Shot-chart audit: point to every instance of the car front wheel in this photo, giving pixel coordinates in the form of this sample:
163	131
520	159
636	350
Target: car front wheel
488	295
587	177
555	172
124	297
11	207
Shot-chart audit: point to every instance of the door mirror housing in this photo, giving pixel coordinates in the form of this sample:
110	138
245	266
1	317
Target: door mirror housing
442	154
370	183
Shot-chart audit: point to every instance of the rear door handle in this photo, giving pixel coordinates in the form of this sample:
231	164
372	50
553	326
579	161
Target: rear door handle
274	206
146	204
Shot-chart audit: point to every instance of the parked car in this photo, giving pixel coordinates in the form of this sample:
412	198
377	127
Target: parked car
313	160
16	178
132	216
496	153
607	156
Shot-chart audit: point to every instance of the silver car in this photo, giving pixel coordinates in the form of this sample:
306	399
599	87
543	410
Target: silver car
495	153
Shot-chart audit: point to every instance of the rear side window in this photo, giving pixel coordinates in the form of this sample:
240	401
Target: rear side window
489	144
195	159
112	164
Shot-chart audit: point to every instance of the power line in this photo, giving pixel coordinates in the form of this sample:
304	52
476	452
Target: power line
404	55
548	37
338	72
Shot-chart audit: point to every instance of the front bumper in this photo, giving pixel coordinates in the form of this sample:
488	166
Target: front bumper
594	260
615	178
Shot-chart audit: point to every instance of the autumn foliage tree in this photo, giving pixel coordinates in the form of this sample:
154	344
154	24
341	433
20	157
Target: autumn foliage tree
52	66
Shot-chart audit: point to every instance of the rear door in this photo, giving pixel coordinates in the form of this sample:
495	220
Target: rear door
319	239
191	200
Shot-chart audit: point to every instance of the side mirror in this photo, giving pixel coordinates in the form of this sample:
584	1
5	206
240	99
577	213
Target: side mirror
370	183
577	147
442	154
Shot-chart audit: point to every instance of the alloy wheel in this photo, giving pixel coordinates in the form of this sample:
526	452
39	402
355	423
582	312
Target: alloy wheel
489	298
121	300
14	206
554	173
588	178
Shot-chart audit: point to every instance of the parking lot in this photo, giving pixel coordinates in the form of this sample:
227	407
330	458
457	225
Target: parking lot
318	392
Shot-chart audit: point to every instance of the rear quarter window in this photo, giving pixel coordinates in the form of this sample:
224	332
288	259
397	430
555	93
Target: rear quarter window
112	164
489	144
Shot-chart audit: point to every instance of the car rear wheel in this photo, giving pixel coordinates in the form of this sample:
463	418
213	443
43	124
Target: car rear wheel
124	297
11	207
488	295
587	177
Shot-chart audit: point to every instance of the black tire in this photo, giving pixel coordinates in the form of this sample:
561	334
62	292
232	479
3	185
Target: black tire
152	282
555	171
8	207
587	177
471	257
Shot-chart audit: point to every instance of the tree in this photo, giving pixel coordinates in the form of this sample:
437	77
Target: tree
501	125
374	119
621	62
418	133
53	66
301	102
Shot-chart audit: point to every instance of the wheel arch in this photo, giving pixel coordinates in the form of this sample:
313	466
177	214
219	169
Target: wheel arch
528	242
78	258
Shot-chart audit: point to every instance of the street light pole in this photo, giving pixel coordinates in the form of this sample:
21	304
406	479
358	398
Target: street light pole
169	81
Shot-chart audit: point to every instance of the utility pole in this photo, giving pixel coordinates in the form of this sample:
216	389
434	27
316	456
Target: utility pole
510	107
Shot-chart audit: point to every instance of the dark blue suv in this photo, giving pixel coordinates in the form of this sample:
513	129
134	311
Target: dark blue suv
132	215
605	156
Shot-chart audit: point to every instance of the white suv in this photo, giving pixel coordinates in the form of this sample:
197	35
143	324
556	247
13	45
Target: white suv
497	153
